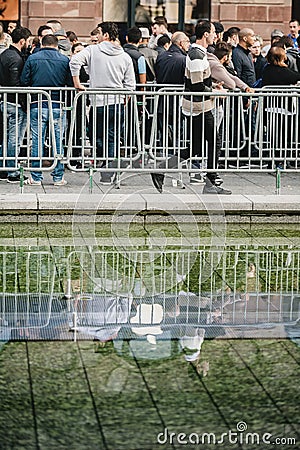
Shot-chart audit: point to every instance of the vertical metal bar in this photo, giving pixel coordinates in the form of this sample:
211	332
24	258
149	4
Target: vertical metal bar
181	14
278	180
91	179
131	13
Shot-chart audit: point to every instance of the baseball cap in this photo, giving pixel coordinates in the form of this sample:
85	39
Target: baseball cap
145	33
276	33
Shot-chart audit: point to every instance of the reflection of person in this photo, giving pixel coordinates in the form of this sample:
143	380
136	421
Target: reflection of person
142	16
154	7
100	316
191	342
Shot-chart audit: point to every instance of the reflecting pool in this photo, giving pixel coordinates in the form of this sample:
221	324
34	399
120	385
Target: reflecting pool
149	336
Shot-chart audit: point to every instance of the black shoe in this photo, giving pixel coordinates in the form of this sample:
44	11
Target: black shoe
158	181
210	188
15	179
3	176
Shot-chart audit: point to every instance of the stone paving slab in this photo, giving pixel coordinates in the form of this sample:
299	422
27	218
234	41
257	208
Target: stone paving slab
12	201
90	202
275	203
253	194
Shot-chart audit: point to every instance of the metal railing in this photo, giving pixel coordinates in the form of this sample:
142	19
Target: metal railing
113	131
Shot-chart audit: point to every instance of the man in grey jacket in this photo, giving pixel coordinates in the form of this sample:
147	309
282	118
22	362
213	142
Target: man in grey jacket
109	67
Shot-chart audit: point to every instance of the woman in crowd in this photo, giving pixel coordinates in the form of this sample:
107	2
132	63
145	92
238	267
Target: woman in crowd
277	72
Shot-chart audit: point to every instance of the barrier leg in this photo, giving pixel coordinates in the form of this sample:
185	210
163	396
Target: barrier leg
22	179
117	181
180	183
278	181
91	175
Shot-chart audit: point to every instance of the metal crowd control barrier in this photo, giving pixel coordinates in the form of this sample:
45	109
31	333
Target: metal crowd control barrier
114	131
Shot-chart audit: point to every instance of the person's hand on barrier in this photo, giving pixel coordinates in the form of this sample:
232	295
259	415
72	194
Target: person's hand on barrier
77	84
219	86
80	87
250	90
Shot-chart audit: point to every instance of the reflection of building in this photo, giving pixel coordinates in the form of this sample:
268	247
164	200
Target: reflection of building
82	16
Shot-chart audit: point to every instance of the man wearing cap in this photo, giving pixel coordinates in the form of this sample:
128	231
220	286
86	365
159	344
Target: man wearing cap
64	45
149	54
275	36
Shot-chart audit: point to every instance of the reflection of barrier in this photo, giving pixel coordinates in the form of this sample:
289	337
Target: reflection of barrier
26	292
246	288
140	293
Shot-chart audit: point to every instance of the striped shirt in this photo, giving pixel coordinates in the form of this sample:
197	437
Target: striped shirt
197	79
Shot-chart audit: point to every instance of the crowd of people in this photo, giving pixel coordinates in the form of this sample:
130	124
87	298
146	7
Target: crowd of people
210	60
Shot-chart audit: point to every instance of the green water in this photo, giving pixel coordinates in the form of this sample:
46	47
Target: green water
124	394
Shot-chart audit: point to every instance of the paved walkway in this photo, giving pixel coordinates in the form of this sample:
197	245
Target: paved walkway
253	194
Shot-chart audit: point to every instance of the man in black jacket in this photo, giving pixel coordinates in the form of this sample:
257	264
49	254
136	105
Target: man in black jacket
11	65
134	36
242	59
170	65
169	70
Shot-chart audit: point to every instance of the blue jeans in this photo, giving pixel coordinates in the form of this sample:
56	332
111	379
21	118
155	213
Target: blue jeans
109	126
39	120
16	127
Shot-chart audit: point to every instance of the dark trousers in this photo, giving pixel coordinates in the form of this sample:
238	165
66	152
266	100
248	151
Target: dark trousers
204	132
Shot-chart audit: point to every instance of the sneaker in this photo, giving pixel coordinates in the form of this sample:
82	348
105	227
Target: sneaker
31	182
158	181
61	182
196	178
210	188
16	179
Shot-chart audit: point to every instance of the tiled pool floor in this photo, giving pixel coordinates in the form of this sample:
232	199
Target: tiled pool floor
66	395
